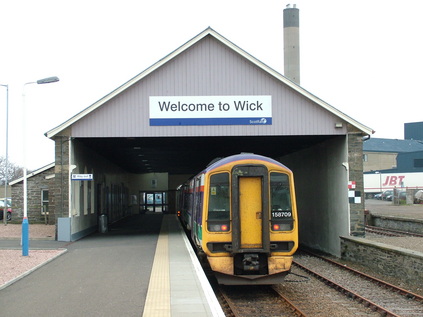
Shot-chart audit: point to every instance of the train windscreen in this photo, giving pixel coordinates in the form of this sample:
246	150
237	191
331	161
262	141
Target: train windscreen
281	207
219	203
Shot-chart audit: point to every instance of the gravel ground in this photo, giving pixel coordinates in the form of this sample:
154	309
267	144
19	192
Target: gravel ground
13	264
36	231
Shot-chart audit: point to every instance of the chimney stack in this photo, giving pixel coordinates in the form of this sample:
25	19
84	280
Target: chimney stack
291	34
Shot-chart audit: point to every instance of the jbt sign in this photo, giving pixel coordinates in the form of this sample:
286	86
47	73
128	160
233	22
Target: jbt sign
393	180
378	182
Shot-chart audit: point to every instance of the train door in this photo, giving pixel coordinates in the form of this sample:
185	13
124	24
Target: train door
197	217
250	212
250	209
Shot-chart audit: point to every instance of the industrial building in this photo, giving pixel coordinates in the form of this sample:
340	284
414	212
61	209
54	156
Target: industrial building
394	164
383	154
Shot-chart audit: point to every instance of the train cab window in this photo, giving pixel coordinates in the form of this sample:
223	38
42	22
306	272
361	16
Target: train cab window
219	203
280	202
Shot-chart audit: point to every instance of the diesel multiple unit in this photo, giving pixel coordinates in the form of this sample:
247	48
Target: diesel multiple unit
241	215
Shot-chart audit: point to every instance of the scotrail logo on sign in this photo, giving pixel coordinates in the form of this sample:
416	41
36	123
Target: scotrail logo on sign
210	110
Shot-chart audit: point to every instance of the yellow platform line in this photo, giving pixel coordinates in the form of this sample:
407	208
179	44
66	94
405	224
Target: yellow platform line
157	303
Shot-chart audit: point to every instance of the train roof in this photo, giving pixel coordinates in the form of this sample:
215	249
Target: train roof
240	157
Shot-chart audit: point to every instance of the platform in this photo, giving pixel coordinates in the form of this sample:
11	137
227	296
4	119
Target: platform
143	266
178	285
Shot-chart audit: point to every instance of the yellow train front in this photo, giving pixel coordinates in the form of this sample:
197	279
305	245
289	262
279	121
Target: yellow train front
242	215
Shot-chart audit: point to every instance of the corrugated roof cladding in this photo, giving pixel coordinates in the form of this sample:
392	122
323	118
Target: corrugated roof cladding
413	131
392	145
208	68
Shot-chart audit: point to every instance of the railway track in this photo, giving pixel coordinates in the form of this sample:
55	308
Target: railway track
350	293
256	301
376	294
391	232
299	296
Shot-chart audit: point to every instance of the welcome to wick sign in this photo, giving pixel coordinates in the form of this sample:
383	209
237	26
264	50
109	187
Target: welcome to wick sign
210	110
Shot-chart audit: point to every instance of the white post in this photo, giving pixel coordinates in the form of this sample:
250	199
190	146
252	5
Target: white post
25	223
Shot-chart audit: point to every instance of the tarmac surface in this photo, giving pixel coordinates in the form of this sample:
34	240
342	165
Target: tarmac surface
100	275
387	208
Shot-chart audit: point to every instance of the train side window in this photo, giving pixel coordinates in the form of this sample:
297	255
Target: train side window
219	203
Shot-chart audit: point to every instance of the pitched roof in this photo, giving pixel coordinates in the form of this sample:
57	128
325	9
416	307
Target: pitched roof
36	172
392	145
208	32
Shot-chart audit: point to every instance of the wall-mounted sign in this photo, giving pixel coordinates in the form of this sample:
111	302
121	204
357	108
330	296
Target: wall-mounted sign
210	110
82	177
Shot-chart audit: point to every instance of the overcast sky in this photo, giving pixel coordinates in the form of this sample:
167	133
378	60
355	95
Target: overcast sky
362	57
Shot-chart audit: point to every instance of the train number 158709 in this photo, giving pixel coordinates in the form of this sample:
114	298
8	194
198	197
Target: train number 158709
281	214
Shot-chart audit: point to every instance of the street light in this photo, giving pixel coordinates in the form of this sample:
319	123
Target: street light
47	80
25	223
6	158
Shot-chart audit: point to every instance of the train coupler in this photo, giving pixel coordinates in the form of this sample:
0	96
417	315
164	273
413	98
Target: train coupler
251	262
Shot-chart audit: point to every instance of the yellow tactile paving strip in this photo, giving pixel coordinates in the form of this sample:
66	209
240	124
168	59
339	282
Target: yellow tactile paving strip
157	303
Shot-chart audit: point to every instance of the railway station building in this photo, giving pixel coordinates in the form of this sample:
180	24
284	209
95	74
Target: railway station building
129	151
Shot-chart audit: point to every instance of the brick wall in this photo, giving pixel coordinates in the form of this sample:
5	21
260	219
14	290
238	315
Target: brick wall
379	161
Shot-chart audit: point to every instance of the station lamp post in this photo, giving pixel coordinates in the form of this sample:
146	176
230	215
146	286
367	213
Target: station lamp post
6	158
25	223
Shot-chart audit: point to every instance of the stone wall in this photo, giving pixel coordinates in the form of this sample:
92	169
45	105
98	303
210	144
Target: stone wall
384	259
355	171
396	223
60	187
35	184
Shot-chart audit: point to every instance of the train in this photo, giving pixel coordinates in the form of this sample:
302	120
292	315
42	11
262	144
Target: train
241	215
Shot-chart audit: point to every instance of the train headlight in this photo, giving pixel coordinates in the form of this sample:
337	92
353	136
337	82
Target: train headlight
282	226
218	227
214	228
